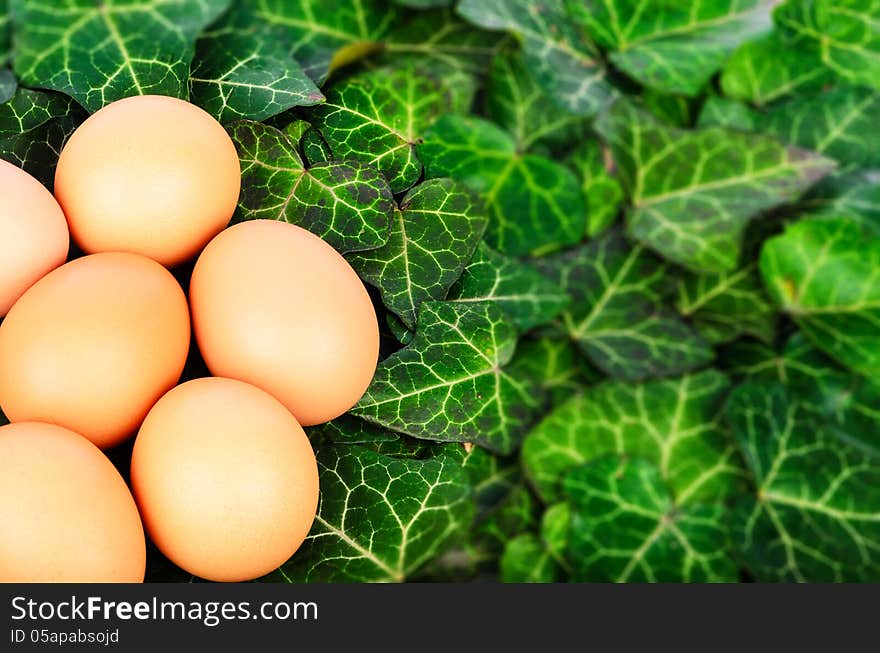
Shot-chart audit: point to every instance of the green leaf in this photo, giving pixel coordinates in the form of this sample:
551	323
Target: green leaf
668	46
315	148
34	125
5	33
242	71
815	514
555	365
773	66
561	60
348	204
676	110
378	116
826	275
694	192
450	384
625	527
433	237
727	305
719	111
323	35
8	84
423	4
534	203
516	102
527	296
602	191
379	518
98	52
492	477
617	316
526	560
853	193
839	123
673	423
347	429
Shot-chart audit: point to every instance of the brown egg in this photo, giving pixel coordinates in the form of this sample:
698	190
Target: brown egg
33	233
93	345
225	479
276	306
149	174
67	515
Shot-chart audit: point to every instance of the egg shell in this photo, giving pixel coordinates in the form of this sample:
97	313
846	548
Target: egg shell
93	345
149	174
67	514
276	306
225	479
33	232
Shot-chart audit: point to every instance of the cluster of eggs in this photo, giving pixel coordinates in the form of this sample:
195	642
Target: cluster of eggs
223	478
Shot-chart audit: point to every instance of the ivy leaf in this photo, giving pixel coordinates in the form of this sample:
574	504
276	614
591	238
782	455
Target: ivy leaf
348	204
378	116
323	35
602	191
815	515
727	305
347	429
533	203
433	236
516	102
5	33
839	123
825	273
527	296
672	47
854	194
8	84
693	192
555	365
617	317
450	384
34	126
559	57
674	423
242	71
99	52
539	558
423	4
719	111
625	527
379	518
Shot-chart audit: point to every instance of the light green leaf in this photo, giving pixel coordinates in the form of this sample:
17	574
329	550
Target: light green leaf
98	52
625	527
348	204
242	71
516	102
825	273
673	423
380	519
815	515
450	383
602	191
526	560
433	236
727	305
853	193
323	35
674	47
561	60
719	111
315	148
694	192
617	317
555	365
34	126
527	296
378	116
534	203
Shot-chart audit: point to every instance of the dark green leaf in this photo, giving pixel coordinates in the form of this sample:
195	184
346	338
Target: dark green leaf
825	273
693	192
347	429
99	52
815	515
526	560
450	384
855	194
527	296
722	112
625	527
380	518
602	192
346	203
8	84
673	423
555	365
432	238
5	33
617	317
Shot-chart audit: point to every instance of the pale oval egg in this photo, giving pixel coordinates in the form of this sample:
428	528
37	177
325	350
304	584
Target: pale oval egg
33	233
276	306
225	479
67	514
149	174
93	345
